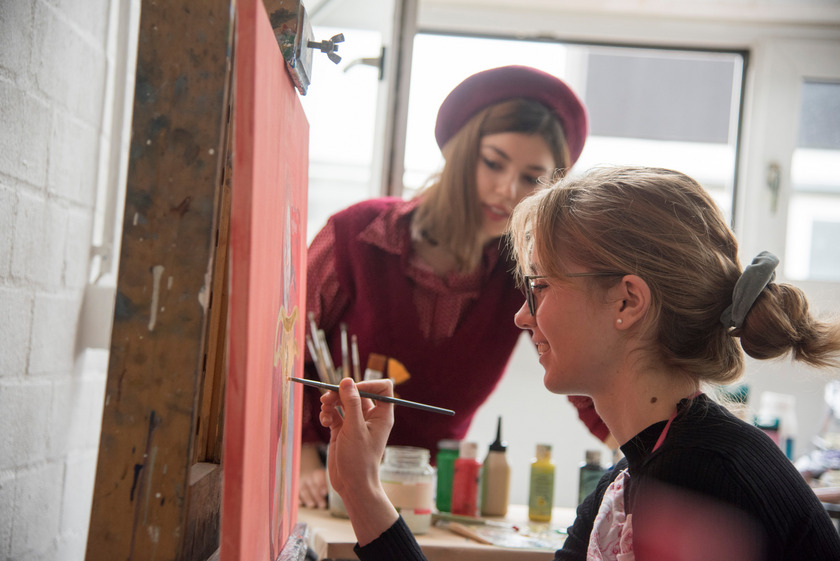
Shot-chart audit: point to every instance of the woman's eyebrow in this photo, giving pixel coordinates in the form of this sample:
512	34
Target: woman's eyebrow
499	152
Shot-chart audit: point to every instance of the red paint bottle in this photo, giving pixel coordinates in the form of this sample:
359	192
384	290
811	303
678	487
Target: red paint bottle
465	481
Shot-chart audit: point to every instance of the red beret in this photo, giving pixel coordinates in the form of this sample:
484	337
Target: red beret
496	85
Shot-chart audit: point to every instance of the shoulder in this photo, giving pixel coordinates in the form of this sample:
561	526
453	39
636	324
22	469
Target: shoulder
370	207
707	430
383	209
713	452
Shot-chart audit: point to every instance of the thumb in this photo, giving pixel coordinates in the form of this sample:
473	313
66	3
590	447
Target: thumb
351	401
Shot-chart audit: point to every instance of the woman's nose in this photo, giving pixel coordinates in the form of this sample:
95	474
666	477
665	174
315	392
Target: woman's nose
523	318
509	185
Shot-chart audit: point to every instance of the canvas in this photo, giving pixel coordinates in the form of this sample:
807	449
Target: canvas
267	296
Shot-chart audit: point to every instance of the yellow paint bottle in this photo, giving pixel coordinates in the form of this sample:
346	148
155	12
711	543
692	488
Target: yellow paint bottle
541	495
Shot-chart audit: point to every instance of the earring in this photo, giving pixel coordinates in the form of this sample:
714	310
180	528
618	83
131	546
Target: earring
619	321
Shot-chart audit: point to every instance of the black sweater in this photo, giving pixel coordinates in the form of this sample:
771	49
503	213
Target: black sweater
732	489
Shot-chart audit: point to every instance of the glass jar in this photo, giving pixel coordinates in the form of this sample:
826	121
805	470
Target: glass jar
336	505
409	481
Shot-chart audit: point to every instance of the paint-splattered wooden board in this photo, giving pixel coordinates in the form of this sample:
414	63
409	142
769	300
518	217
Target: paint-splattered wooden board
157	345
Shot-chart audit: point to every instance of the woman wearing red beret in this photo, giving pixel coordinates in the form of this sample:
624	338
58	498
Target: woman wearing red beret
427	282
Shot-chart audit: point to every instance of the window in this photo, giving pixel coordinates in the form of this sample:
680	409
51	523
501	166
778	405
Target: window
814	209
658	107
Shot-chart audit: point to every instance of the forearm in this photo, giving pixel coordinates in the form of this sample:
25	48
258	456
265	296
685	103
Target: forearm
370	512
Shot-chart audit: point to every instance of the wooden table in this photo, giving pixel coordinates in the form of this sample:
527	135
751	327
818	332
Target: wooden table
333	538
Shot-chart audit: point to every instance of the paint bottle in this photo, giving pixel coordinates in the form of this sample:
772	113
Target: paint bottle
465	481
541	494
445	462
409	483
777	417
590	473
495	478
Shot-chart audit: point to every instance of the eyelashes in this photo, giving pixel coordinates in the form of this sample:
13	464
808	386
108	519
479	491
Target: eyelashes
495	165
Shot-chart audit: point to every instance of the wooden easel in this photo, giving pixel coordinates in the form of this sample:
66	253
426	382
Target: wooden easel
158	489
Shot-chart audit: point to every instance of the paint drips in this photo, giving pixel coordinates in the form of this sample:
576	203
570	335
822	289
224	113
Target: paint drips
157	274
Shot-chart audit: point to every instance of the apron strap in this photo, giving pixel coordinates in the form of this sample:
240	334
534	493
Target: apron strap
661	438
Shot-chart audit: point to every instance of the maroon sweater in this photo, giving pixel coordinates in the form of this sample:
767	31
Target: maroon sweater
458	372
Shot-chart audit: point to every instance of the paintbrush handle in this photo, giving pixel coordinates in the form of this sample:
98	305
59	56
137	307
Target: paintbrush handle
377	397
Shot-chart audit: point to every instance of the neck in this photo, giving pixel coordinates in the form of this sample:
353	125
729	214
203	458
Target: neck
640	400
437	257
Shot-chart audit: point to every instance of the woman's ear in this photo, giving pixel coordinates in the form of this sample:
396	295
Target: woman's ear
632	301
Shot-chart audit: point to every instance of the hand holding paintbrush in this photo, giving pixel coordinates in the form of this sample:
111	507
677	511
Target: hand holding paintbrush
357	443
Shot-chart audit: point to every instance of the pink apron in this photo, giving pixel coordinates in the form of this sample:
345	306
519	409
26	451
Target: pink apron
612	532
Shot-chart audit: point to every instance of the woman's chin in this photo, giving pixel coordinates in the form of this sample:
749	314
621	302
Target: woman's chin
552	384
493	229
560	386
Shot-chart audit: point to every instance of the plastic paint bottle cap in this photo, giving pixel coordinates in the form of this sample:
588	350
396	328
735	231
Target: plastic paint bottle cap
468	450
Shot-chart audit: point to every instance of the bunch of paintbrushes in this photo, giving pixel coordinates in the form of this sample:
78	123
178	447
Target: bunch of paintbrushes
330	376
316	342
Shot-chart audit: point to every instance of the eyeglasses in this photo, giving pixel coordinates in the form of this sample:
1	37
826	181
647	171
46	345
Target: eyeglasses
529	285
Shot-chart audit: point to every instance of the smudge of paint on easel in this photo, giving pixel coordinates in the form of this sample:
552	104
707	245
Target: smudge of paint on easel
154	533
182	207
157	273
137	469
150	463
154	422
142	483
204	292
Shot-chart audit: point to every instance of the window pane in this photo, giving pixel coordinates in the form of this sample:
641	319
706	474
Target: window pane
661	95
340	106
814	211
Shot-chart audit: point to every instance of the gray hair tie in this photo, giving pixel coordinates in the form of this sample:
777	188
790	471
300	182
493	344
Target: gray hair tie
753	281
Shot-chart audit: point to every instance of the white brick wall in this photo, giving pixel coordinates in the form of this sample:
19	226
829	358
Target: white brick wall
7	497
53	81
23	141
37	514
14	336
8	208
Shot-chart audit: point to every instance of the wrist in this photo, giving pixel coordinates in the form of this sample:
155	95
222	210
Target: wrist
371	512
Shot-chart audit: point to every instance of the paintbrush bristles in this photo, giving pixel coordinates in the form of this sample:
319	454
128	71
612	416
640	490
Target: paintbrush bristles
345	352
313	326
354	347
322	359
316	360
326	357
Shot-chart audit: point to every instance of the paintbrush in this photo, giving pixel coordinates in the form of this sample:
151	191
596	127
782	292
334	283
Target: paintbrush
354	347
345	352
326	357
316	360
463	519
377	397
319	365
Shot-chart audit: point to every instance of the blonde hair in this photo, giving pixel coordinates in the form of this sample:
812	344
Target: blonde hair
449	212
662	226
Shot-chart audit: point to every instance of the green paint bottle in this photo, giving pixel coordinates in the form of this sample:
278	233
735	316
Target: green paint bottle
445	462
589	474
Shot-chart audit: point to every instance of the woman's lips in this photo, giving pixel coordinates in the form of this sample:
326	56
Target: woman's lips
496	213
